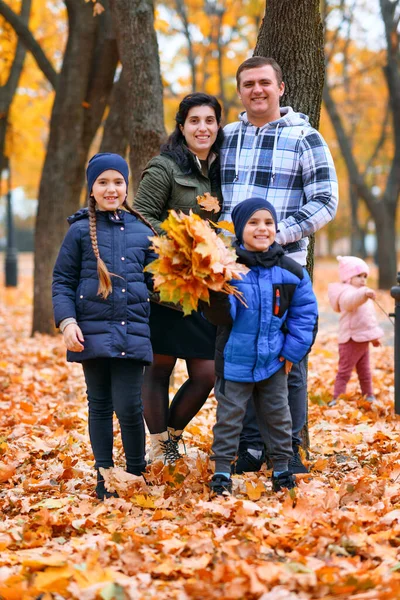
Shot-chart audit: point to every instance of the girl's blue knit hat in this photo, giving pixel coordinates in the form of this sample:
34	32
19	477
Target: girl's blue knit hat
244	210
103	162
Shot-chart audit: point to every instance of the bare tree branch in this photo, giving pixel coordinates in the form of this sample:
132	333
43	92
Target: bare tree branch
26	37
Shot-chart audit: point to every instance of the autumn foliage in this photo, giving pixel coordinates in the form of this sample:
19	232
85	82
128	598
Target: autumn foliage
337	537
193	259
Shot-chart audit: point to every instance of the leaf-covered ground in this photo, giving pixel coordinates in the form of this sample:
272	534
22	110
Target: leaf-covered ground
336	537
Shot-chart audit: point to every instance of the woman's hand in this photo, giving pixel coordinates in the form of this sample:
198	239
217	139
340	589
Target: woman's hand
375	343
73	338
288	365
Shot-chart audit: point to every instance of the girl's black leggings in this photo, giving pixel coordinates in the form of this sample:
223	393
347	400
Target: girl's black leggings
115	384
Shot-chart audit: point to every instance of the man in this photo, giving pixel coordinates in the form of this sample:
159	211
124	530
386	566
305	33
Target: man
273	152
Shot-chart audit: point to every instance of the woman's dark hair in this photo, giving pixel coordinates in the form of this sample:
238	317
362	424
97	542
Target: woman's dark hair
175	146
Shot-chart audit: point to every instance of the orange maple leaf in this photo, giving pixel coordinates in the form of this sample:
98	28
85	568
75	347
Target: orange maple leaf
208	202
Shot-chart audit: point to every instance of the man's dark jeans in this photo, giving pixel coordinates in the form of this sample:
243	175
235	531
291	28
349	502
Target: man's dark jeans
297	381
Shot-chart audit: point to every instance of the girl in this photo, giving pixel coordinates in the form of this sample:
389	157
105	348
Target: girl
101	306
357	326
187	168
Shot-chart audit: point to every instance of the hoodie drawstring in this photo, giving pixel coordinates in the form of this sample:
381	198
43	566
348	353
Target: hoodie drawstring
238	149
273	162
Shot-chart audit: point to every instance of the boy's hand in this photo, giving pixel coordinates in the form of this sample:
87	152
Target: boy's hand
370	293
288	364
73	338
375	343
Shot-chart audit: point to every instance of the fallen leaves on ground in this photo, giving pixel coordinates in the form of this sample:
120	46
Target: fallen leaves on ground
336	537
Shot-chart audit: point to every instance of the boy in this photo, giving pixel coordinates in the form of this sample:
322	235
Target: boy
277	326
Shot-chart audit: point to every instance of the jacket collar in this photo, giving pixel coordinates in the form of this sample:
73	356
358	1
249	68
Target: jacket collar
259	259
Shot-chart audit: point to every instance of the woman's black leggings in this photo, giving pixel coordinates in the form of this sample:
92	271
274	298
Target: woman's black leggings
187	401
114	384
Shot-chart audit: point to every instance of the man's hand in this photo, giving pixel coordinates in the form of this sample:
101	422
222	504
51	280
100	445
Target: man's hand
73	338
370	293
375	343
288	365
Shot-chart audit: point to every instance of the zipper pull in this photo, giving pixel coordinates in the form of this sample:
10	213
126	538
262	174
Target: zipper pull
277	301
116	217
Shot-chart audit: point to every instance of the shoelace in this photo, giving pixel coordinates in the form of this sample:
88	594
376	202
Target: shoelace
170	450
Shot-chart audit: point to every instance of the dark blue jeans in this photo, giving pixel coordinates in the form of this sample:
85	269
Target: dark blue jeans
115	384
297	383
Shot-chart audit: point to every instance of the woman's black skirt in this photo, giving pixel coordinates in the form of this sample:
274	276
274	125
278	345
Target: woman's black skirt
184	337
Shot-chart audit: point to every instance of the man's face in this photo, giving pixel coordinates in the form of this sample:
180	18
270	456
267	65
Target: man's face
260	94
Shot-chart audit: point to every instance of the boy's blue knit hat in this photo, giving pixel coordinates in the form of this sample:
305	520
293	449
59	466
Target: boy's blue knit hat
244	210
102	162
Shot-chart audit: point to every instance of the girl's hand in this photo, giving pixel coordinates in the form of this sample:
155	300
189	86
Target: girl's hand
375	343
370	293
288	365
73	338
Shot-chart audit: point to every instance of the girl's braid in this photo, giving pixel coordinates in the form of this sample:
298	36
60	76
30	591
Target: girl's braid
105	286
137	214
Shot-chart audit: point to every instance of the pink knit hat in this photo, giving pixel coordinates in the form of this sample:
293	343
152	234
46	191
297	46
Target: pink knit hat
350	266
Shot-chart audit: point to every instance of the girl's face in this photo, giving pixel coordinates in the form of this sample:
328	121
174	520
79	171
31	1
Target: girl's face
109	190
259	232
200	130
359	280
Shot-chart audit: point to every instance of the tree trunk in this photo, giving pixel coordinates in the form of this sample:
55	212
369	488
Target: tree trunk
291	32
84	86
385	221
138	49
116	131
8	90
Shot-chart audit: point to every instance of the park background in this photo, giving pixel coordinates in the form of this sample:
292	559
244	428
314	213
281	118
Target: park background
64	96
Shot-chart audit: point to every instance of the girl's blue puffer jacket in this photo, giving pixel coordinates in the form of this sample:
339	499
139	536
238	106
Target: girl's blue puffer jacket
118	326
280	319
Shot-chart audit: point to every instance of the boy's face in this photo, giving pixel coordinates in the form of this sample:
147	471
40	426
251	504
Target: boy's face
259	232
359	280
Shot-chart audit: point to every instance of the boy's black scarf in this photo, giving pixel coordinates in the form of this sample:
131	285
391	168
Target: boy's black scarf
266	259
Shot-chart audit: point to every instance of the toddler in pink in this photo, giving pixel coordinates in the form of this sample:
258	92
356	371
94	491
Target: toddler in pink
358	325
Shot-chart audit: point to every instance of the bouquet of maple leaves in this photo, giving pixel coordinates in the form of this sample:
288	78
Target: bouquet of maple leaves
192	260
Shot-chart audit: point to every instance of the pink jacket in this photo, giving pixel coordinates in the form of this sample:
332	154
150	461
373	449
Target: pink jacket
357	313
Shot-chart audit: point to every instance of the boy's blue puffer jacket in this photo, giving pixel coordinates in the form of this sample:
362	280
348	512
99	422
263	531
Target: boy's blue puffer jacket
118	326
280	319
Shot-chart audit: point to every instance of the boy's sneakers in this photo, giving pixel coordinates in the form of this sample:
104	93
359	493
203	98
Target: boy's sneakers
247	463
295	463
370	398
283	481
220	485
332	402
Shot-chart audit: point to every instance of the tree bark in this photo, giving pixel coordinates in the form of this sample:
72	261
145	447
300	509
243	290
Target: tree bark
138	49
84	86
116	128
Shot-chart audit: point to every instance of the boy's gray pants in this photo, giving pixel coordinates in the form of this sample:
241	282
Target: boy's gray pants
273	415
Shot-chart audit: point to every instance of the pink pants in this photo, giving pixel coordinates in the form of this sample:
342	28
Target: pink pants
353	354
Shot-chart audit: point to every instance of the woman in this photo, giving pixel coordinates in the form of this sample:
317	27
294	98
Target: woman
187	167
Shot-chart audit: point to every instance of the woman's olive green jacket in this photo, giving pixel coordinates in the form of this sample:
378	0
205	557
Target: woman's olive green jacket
164	186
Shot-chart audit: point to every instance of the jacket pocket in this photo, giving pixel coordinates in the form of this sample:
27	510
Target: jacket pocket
185	193
282	294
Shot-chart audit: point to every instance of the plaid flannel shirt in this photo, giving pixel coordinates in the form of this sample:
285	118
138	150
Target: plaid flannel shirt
287	162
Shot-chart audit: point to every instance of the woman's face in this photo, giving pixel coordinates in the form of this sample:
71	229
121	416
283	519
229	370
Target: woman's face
109	190
200	130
